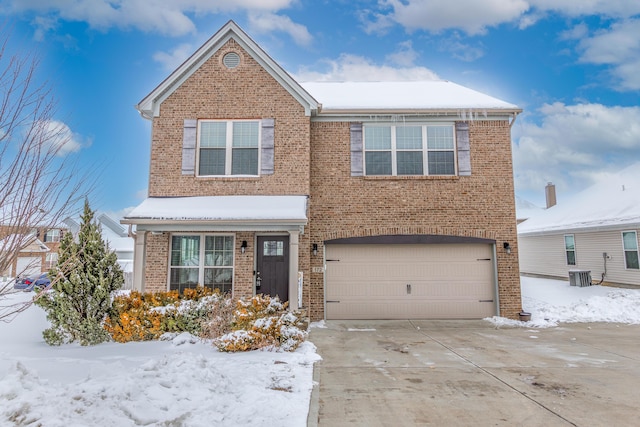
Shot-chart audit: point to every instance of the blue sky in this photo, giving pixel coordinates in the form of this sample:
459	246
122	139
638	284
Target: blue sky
573	66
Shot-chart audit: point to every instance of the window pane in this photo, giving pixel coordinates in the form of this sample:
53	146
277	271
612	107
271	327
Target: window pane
440	137
378	162
183	278
212	161
441	163
219	278
213	134
218	250
630	240
245	134
409	162
569	243
409	137
185	250
244	161
377	137
273	248
631	259
571	258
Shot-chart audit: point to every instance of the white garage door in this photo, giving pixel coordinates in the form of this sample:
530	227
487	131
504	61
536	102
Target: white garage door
409	281
28	266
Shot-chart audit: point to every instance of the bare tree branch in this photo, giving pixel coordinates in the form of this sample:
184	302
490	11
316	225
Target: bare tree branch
40	184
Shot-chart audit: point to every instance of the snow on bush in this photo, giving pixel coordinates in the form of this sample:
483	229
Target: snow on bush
263	323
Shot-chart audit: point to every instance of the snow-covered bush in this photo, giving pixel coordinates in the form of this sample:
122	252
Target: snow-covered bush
263	322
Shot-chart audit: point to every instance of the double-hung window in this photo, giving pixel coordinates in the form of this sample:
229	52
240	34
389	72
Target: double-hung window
201	260
52	235
630	246
228	147
409	150
570	248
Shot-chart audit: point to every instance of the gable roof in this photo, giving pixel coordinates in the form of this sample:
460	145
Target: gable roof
404	96
150	105
612	203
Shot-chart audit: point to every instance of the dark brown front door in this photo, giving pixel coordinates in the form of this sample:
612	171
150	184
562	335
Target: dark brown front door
272	273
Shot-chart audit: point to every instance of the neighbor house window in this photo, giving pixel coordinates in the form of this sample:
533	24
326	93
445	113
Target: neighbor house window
228	147
630	246
52	235
51	259
409	150
570	249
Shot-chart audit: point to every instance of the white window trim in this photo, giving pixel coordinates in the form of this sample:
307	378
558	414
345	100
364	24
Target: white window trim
575	252
55	234
201	258
228	146
624	250
425	149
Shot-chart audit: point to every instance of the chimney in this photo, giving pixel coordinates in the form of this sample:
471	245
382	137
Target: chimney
550	194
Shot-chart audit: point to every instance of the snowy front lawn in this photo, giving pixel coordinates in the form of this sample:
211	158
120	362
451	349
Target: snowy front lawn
182	382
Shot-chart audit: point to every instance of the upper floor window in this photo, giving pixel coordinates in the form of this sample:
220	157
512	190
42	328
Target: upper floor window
228	147
409	150
52	235
630	246
570	249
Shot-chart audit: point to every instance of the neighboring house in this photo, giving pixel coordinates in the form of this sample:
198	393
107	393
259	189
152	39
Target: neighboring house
352	200
525	209
116	237
38	250
596	230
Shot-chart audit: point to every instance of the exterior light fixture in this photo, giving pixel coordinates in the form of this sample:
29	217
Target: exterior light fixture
507	247
315	249
243	247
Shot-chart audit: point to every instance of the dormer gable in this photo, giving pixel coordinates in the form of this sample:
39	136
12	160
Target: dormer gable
149	107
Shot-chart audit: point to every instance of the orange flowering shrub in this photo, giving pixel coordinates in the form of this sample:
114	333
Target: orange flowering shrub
143	317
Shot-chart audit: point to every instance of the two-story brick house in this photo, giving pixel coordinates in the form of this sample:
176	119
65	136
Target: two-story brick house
352	200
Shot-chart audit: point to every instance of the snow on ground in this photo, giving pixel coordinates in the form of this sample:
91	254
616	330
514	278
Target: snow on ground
554	301
183	382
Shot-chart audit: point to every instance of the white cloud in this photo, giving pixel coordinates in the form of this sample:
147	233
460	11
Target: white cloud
59	136
573	144
574	8
460	50
270	22
173	59
618	47
471	16
578	32
405	56
165	17
357	68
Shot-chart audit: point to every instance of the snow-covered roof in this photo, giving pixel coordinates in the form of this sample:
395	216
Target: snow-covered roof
614	202
525	209
220	208
403	95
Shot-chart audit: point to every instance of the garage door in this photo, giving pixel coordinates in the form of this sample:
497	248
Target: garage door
440	281
29	266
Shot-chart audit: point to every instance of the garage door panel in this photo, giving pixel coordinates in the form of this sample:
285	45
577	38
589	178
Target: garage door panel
446	281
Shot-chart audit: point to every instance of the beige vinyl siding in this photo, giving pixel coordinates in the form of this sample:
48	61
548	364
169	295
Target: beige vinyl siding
545	255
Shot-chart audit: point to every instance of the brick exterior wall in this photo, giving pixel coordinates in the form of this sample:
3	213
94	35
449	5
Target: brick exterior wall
313	158
481	205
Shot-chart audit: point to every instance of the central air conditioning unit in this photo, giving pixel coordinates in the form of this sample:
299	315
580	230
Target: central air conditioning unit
580	278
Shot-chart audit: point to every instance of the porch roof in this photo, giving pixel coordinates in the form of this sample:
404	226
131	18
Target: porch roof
219	212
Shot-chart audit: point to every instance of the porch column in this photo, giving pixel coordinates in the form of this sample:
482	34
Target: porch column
138	261
293	270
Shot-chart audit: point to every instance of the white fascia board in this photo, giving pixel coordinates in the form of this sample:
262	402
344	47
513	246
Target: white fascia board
415	116
150	106
582	229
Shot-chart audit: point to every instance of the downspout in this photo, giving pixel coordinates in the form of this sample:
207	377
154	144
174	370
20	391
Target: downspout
515	115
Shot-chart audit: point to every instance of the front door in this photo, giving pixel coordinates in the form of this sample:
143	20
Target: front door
272	269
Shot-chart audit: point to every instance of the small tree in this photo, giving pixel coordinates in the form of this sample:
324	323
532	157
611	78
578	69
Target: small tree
82	283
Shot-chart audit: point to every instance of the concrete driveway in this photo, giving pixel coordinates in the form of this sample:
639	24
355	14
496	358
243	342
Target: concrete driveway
468	373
